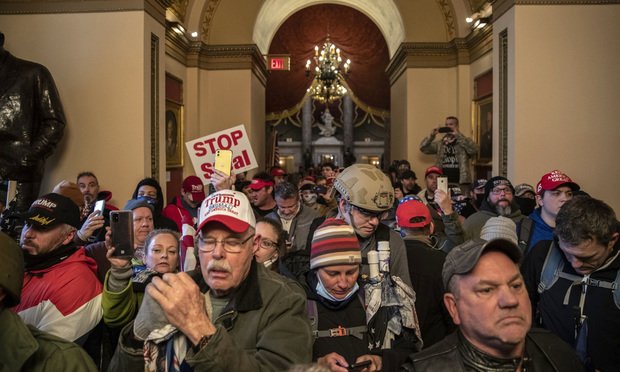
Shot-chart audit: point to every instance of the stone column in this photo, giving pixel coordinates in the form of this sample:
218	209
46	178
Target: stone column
347	123
306	130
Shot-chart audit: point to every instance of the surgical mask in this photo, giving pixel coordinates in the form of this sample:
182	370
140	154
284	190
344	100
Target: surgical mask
321	291
310	198
270	261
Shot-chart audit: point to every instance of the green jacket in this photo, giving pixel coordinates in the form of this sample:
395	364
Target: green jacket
25	348
120	308
263	328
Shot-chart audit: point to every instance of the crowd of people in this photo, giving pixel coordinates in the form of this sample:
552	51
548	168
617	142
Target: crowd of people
335	269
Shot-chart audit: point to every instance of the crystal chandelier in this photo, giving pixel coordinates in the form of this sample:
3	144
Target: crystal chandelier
327	85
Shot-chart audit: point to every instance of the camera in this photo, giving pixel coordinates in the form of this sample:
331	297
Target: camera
444	130
320	189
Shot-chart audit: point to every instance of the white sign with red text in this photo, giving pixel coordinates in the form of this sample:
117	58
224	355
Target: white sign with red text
202	151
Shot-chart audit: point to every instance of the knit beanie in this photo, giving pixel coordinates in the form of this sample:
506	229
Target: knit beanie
499	228
334	243
494	182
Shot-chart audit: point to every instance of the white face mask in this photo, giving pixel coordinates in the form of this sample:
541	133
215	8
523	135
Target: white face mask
322	291
310	198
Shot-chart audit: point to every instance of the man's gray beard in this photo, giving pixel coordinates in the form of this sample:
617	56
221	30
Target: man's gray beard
503	211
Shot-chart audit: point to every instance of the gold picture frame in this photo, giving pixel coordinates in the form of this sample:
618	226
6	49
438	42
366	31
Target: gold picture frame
483	122
173	127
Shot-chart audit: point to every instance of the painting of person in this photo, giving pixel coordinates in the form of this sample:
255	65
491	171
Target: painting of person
171	136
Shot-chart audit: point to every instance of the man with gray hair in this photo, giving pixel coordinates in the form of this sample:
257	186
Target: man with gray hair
487	300
231	315
293	215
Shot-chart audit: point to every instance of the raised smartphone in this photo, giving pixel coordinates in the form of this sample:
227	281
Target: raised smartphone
444	130
442	184
121	223
99	207
223	161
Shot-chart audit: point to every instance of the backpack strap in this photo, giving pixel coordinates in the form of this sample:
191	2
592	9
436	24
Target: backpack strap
525	234
313	316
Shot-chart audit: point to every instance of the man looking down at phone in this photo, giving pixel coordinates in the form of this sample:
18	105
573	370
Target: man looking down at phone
498	201
454	152
61	293
231	315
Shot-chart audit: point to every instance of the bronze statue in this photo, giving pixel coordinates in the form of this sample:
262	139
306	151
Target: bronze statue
32	123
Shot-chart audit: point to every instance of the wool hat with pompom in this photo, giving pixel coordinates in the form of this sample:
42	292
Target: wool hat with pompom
334	243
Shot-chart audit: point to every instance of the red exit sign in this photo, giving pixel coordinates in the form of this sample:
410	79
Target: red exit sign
278	62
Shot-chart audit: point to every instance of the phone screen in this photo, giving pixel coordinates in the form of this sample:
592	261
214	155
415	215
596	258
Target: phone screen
359	366
223	161
99	206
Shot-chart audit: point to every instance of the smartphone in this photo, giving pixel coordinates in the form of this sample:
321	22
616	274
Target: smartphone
223	161
99	207
442	184
359	366
121	223
444	130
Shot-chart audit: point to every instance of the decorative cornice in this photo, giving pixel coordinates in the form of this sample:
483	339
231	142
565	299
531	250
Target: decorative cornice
155	8
179	8
206	17
459	51
502	6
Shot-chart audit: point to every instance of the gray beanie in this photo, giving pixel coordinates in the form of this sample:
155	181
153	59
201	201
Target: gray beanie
499	228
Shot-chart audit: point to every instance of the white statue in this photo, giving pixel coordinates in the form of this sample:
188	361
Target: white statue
327	129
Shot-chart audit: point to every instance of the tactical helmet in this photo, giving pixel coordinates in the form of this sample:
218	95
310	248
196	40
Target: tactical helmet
366	187
11	270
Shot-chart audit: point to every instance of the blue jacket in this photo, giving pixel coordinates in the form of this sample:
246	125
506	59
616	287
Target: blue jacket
540	229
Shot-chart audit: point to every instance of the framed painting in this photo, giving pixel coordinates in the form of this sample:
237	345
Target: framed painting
483	122
174	134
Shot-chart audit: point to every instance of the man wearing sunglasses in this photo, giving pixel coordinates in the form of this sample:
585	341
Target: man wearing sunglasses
233	314
498	201
365	195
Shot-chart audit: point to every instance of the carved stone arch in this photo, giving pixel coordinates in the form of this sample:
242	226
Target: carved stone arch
447	11
208	11
384	14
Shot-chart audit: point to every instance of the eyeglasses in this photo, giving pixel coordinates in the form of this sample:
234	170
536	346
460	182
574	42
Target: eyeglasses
268	244
368	215
498	191
230	245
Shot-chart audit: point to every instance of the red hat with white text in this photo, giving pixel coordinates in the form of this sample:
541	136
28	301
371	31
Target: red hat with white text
228	207
553	180
194	186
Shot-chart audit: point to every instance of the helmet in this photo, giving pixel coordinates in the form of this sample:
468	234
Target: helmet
365	186
11	270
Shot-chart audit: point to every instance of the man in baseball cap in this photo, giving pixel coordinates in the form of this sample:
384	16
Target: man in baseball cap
183	209
261	194
488	301
61	293
252	316
498	201
552	191
425	263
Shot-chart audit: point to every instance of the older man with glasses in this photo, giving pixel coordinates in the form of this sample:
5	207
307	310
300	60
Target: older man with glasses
233	314
498	201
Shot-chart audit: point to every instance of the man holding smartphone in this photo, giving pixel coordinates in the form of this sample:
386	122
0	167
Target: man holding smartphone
454	152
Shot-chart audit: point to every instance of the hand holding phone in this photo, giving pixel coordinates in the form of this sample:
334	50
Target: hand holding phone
444	130
359	366
121	223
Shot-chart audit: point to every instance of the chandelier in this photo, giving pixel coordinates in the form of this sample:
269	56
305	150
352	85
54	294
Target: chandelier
327	85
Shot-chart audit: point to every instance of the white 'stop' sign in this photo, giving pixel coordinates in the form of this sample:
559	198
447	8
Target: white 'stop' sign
202	151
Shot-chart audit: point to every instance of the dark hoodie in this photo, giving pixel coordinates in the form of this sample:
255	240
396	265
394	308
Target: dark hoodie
160	221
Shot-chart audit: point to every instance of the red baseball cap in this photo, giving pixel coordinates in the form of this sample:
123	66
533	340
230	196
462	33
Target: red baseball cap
553	180
408	210
228	207
433	169
258	184
276	172
194	186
